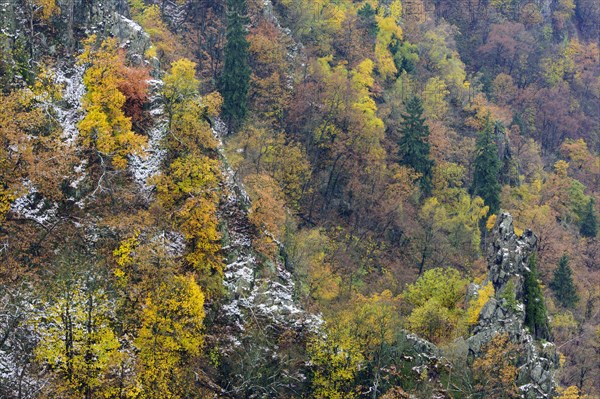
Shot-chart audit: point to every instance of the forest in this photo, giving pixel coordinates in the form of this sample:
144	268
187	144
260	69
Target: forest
329	199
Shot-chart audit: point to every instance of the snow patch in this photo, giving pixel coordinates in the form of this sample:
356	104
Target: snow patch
143	167
270	297
135	27
34	207
69	111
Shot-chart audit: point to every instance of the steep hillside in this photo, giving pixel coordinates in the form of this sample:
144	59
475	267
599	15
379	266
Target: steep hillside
299	199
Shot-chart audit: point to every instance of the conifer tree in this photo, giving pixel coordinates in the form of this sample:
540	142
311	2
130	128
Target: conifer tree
235	79
367	19
414	147
487	166
535	307
589	223
509	173
562	284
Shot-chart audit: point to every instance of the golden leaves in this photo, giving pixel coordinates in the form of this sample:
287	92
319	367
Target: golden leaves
105	126
170	336
476	304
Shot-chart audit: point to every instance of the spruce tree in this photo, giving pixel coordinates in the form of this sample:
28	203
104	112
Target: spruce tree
487	165
414	147
536	317
589	224
235	80
562	284
367	20
509	173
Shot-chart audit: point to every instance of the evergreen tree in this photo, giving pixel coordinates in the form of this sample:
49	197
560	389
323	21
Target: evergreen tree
235	80
487	166
589	224
414	147
509	174
562	284
367	20
535	308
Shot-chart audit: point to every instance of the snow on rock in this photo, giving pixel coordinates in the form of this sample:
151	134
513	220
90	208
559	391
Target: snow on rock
142	167
68	110
134	26
270	296
80	172
294	49
172	241
34	207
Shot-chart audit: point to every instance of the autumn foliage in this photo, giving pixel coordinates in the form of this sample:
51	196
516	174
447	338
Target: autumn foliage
359	151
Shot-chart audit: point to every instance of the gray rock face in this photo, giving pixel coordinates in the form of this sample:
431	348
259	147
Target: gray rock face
104	18
74	20
507	261
81	17
132	37
7	17
503	314
508	254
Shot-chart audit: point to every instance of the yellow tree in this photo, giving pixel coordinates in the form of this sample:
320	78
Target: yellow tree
188	176
310	251
180	85
105	127
443	60
190	130
78	343
199	224
335	360
188	191
387	36
42	9
435	103
571	392
476	304
357	341
189	114
272	154
374	322
170	339
165	46
454	212
436	296
351	132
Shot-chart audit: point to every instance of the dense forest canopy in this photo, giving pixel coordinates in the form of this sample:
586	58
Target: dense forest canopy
299	199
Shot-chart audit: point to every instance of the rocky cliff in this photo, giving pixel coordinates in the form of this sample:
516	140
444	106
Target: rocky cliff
504	313
23	31
507	265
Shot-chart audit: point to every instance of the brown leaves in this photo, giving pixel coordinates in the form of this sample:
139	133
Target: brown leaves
30	149
268	212
105	126
134	85
495	371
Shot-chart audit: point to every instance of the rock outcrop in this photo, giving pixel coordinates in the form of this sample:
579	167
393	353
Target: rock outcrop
73	20
504	313
79	18
507	262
